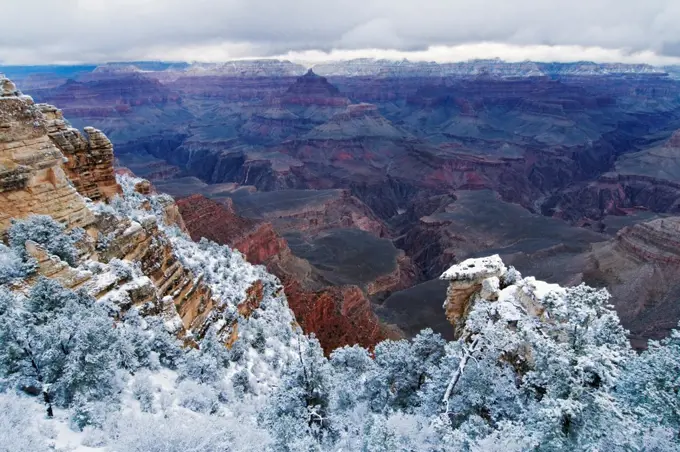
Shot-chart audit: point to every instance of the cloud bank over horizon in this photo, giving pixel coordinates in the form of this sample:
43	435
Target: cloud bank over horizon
78	31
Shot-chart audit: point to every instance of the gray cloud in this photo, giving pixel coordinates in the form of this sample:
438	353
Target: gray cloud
45	31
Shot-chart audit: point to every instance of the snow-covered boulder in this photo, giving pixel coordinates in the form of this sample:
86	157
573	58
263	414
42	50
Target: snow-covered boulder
466	281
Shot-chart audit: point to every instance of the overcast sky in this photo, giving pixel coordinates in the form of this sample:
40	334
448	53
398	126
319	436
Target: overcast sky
61	31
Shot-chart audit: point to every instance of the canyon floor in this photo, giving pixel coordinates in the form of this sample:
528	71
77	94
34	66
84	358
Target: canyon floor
358	184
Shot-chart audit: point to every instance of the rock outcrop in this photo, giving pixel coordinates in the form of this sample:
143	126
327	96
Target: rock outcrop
146	244
89	161
472	276
32	175
126	255
488	279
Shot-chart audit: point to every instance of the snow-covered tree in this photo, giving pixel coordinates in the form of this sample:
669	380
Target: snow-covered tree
299	408
184	433
206	364
12	267
58	342
22	426
651	384
64	344
401	369
45	231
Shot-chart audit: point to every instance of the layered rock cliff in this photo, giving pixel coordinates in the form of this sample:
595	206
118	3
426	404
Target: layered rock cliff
133	251
203	217
641	269
337	315
33	179
89	161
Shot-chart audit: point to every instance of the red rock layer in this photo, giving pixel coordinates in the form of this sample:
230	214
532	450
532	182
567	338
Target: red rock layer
206	218
338	316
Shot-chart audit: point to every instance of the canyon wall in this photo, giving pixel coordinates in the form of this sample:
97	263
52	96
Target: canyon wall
337	315
49	168
641	269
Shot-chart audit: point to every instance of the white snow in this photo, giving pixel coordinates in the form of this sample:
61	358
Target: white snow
67	439
475	269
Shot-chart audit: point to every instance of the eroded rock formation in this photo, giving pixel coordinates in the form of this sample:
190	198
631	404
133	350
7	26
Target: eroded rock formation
32	176
337	315
127	258
472	276
89	161
488	279
641	269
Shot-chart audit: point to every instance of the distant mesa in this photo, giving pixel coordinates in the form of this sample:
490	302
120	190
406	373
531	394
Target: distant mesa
245	68
311	87
115	68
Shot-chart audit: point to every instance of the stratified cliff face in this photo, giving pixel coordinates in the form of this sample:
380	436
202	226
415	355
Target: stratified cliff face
89	160
220	223
133	252
641	269
32	176
337	315
647	179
